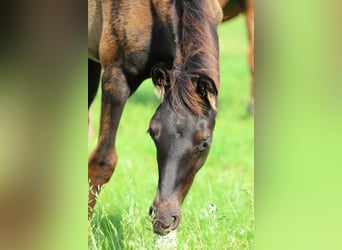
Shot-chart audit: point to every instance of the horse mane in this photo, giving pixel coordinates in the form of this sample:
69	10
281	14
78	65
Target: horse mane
197	56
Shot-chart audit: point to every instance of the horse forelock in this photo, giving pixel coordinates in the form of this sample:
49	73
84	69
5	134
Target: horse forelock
182	95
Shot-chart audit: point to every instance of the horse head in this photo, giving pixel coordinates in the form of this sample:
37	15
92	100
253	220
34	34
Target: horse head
182	130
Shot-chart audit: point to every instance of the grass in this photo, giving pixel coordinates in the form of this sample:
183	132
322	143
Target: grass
226	180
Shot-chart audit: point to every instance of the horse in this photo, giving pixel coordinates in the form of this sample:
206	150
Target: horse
232	8
176	44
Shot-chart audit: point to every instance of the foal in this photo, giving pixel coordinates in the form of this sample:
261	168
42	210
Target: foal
175	43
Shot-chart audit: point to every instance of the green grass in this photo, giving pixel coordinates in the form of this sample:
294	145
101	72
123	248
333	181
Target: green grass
227	179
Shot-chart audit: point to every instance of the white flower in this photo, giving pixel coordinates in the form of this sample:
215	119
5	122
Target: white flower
167	242
212	208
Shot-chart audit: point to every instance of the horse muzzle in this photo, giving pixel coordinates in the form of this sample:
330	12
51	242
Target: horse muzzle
164	222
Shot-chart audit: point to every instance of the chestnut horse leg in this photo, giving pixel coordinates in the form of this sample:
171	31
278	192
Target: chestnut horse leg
249	13
94	71
102	161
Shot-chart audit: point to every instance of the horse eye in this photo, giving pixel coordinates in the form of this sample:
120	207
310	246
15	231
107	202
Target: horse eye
204	145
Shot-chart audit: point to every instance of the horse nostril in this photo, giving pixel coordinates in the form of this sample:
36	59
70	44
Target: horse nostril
175	221
152	210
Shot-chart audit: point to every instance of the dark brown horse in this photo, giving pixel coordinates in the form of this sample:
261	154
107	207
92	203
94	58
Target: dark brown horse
175	43
232	8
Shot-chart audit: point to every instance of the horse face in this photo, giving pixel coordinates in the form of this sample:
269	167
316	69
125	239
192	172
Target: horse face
182	142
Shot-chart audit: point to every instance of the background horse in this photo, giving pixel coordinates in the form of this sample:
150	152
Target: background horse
232	8
175	43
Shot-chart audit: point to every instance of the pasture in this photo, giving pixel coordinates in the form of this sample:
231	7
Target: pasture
227	179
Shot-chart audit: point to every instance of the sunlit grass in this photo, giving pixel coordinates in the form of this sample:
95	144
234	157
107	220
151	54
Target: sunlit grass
227	179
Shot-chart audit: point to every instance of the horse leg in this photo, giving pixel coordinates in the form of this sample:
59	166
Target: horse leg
94	71
102	161
249	13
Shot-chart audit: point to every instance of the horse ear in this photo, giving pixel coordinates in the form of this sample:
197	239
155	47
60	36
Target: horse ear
160	80
207	91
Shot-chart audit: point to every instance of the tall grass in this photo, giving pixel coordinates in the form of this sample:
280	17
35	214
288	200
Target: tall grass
121	214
